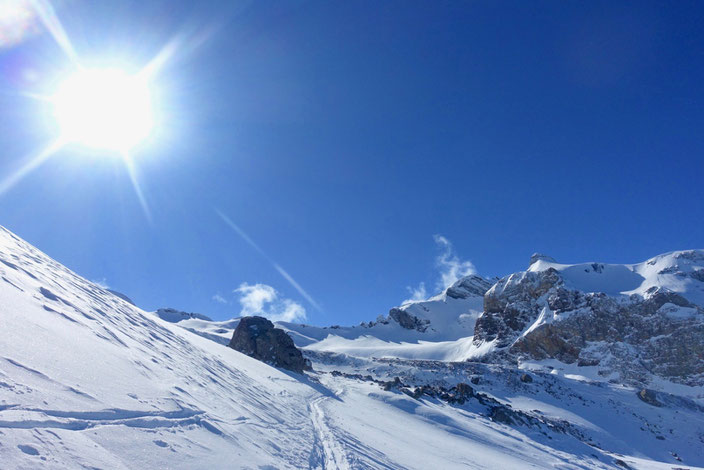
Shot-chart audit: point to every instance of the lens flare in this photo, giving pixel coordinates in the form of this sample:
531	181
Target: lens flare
17	21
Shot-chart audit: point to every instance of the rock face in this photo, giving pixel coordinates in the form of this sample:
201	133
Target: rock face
541	257
624	319
468	286
174	316
258	338
408	321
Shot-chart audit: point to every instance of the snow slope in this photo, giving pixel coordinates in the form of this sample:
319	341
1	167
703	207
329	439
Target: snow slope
679	271
88	380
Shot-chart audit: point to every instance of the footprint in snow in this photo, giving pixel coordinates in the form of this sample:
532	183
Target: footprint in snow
29	450
161	443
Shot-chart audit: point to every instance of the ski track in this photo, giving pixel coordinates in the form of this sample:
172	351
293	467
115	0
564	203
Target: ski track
332	454
77	421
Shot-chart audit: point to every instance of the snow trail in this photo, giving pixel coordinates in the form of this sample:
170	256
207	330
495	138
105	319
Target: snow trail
333	455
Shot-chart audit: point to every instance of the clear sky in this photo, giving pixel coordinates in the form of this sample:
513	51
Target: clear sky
319	147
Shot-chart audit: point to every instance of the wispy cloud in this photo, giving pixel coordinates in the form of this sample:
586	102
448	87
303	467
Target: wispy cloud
102	283
417	293
451	267
276	265
220	299
264	300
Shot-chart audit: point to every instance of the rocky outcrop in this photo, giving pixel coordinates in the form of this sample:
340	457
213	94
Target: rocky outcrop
542	315
408	321
468	286
510	305
258	338
541	257
172	315
649	396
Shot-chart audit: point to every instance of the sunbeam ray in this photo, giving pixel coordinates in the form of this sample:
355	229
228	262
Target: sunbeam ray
131	169
275	265
51	22
35	96
30	166
161	58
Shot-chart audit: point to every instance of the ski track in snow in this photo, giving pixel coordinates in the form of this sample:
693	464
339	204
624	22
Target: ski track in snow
29	418
331	454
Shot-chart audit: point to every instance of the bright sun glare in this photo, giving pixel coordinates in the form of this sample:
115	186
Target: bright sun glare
105	109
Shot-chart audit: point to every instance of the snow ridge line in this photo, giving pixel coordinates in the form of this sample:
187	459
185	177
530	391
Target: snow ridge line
78	421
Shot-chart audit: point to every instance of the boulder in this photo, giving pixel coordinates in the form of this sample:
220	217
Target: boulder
526	379
649	396
258	338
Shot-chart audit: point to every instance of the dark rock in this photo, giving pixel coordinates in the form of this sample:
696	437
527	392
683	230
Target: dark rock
464	390
392	384
258	338
649	396
541	257
525	378
461	393
621	463
172	315
501	414
408	321
409	392
475	380
545	342
509	306
586	362
468	286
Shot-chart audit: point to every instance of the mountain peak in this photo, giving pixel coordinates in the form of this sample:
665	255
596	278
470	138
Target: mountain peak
541	257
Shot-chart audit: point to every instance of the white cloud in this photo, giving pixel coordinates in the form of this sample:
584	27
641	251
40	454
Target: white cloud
264	300
220	299
417	293
451	267
276	266
103	283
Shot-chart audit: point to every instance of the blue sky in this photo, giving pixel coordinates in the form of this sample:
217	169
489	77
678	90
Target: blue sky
342	137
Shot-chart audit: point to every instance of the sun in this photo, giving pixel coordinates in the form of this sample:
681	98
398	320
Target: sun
105	109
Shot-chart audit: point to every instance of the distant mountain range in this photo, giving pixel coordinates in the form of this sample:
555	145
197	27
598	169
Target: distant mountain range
632	324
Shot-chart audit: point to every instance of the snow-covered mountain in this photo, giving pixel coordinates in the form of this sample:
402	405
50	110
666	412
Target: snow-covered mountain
630	323
439	328
88	380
